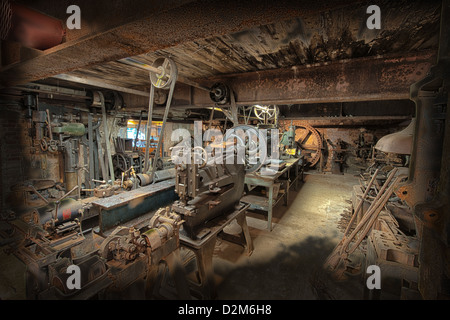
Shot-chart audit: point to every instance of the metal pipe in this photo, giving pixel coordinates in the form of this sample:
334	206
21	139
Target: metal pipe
137	131
71	95
100	157
142	65
50	134
71	180
211	116
100	84
67	194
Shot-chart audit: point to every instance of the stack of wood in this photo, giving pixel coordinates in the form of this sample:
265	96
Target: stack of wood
354	233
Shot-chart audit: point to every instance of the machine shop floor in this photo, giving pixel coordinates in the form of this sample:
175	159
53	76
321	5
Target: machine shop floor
287	262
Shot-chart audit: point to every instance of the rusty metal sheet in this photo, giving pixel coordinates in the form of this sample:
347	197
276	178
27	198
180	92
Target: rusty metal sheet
158	30
335	34
362	79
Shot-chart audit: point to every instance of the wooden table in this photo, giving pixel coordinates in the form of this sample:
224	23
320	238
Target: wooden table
293	171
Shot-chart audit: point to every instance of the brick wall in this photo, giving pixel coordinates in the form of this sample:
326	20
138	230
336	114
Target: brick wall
14	145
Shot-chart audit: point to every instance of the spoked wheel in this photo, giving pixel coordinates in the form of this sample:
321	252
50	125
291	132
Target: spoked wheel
310	142
120	163
265	113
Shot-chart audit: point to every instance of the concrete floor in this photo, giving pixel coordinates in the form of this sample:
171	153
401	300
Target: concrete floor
287	262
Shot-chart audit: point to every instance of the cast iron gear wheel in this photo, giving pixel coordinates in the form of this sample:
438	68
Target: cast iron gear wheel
310	142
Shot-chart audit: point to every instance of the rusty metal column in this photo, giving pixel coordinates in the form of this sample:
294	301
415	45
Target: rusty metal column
428	188
426	152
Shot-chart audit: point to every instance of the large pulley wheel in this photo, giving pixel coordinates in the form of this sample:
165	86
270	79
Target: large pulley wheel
113	100
168	73
310	143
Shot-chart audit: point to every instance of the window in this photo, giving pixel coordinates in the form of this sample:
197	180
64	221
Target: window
132	126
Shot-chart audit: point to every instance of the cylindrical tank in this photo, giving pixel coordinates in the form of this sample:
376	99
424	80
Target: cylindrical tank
68	209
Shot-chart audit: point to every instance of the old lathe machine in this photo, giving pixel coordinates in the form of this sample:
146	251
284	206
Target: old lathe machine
147	219
127	263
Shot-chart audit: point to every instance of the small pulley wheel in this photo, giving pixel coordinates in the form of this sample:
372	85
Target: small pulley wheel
168	73
219	93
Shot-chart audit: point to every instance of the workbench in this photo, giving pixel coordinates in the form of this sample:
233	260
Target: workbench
292	172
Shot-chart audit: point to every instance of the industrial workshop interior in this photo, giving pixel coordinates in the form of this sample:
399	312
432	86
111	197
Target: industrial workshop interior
224	150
